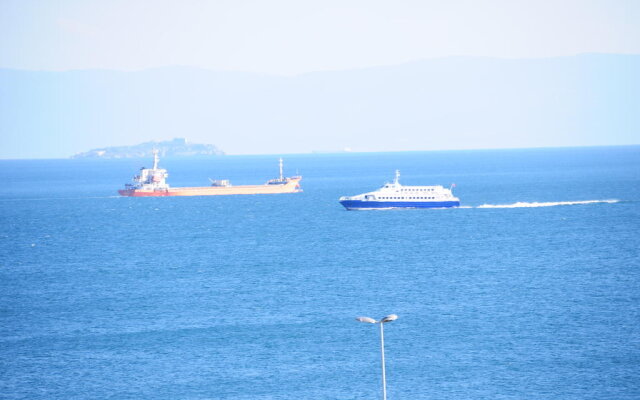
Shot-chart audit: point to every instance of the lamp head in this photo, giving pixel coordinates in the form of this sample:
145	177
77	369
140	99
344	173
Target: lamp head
389	318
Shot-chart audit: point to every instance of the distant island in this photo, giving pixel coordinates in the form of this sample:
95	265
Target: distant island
176	147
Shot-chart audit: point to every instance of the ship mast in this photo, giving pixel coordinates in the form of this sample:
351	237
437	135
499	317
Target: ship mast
155	159
397	180
281	176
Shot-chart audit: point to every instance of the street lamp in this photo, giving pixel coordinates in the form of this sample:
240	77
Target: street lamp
388	318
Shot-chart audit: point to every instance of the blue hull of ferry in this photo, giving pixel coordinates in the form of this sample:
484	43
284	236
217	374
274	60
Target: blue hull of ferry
369	205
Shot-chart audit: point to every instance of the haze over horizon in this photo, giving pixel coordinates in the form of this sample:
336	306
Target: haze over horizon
290	77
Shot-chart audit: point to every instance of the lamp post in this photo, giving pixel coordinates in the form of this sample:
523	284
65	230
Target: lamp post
388	318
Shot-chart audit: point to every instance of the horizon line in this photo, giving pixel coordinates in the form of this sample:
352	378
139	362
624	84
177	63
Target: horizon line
285	75
336	152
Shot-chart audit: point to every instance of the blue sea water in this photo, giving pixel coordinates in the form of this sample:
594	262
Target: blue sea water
531	290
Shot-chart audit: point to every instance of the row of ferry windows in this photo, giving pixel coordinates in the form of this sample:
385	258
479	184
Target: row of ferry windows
404	198
417	190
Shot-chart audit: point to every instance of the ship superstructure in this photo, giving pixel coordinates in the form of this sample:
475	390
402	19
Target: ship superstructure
151	182
395	195
150	179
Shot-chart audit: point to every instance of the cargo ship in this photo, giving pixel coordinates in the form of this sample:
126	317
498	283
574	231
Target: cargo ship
153	182
395	195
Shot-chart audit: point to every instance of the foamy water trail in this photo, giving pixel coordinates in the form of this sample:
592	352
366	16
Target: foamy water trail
522	204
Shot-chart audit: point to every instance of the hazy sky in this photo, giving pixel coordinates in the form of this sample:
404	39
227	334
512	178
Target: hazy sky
290	37
467	104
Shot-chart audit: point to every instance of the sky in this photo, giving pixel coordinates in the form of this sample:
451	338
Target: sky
293	37
293	40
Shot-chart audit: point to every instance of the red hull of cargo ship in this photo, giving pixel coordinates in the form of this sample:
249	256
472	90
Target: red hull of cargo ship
137	193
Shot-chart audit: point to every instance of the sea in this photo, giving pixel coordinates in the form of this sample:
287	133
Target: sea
530	290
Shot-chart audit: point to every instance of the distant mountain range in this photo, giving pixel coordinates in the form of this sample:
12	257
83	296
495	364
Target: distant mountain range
447	103
175	147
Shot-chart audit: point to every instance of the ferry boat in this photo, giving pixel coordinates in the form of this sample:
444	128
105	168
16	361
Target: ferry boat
395	195
152	182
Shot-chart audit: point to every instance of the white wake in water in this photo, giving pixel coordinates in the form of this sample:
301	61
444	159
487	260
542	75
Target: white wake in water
522	204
